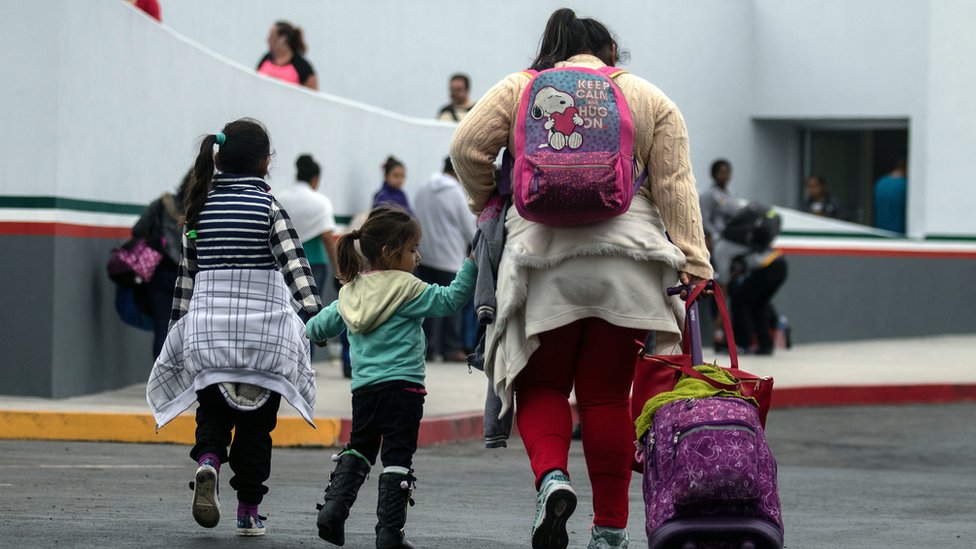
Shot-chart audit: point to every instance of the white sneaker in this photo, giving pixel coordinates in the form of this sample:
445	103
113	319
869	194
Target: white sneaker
608	538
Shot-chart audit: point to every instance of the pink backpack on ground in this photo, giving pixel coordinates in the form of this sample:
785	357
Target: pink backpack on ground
574	141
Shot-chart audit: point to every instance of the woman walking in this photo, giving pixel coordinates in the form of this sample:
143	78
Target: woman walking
572	300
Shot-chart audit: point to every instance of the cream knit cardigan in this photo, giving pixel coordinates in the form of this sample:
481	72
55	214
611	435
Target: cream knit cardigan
615	269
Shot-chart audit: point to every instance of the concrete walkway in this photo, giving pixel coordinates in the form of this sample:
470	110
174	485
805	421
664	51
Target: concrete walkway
922	370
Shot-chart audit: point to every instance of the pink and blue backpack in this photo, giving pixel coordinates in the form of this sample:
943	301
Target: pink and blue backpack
574	141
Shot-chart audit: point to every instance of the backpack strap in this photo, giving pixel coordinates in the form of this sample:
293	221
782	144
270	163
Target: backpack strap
640	179
504	183
611	72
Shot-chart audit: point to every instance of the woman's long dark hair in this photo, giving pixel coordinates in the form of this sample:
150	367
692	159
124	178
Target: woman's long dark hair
246	147
567	35
381	238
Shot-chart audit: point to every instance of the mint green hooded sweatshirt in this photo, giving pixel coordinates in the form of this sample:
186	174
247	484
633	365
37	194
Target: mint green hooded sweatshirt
384	312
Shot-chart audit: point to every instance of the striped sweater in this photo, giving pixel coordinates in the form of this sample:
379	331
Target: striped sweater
242	226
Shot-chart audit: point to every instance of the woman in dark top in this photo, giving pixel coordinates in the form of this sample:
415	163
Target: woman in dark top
160	220
391	193
284	59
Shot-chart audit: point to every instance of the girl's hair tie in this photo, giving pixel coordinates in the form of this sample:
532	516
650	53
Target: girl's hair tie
355	234
220	138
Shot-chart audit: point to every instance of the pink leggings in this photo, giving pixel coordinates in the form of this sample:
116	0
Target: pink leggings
598	358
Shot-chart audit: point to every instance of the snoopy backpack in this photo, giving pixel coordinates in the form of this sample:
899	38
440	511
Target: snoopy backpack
574	141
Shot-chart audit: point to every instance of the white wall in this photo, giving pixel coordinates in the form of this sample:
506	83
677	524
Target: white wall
725	63
840	59
398	55
29	97
111	109
115	115
949	202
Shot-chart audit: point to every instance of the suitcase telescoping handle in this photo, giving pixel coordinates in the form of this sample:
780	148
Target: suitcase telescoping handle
693	322
691	340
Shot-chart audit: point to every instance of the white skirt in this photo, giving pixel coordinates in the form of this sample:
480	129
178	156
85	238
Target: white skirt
241	328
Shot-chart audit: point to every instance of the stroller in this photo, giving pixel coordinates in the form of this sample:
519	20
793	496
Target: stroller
709	478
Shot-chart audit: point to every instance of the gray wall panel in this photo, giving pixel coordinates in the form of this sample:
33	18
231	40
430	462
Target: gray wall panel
840	298
93	350
62	337
26	281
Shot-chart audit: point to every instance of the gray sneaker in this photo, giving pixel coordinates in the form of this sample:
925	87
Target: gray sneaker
608	538
205	506
554	505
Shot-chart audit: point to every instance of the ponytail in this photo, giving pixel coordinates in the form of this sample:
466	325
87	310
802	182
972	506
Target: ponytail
567	35
201	175
350	263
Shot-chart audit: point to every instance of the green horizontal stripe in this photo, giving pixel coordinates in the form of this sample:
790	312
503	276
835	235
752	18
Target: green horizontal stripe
834	235
928	238
59	203
950	238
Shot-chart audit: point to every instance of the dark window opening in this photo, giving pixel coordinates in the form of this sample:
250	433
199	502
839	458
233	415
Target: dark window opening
850	161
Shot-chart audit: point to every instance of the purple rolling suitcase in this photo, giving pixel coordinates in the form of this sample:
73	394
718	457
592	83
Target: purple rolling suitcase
709	477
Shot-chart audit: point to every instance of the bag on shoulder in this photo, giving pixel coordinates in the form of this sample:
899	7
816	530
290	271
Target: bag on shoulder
135	261
755	225
574	141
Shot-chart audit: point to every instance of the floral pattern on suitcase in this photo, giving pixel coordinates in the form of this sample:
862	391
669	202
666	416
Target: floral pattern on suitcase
708	457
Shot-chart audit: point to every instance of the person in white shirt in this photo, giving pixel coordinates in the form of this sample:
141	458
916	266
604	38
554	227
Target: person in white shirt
313	216
441	207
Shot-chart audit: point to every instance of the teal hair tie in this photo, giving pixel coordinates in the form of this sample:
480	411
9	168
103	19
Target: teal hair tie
191	234
220	137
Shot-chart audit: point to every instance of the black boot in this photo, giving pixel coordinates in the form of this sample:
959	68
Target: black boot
391	510
344	482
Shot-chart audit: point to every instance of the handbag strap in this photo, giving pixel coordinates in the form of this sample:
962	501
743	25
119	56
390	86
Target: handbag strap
691	372
695	293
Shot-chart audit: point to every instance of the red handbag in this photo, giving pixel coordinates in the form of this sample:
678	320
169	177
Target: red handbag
656	374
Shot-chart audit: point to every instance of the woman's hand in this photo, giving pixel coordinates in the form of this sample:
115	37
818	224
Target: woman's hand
688	279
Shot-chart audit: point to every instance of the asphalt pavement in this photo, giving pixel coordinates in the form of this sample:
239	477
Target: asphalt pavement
849	477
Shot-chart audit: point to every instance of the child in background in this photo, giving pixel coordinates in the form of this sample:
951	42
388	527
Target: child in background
383	309
235	343
391	191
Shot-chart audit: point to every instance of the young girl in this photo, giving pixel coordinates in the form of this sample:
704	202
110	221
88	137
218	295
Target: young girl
235	344
391	192
383	310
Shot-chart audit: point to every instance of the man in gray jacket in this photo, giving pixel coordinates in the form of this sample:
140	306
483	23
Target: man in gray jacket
442	210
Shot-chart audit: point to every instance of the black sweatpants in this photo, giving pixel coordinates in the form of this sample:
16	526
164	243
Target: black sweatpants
250	451
752	309
387	413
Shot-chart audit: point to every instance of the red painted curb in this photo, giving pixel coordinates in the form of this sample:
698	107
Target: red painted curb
470	426
872	394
